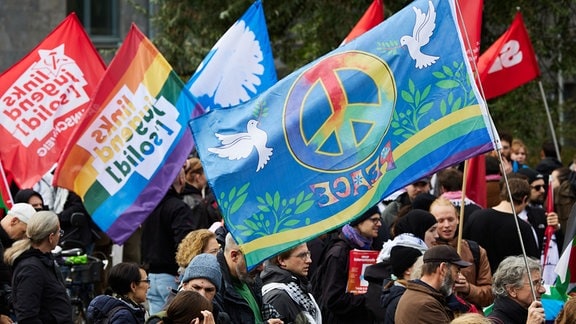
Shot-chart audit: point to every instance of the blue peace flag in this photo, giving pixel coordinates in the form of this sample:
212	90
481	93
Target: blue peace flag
333	138
239	66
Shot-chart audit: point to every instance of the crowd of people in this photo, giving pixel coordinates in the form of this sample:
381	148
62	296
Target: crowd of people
185	268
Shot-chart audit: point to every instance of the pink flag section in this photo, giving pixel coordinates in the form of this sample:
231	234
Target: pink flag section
371	18
509	63
42	100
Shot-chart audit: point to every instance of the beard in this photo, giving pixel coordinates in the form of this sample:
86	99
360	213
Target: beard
447	285
244	275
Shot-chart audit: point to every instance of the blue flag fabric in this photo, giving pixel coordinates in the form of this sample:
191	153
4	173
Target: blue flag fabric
239	66
335	137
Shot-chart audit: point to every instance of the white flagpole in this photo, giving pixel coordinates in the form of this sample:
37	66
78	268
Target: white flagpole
549	120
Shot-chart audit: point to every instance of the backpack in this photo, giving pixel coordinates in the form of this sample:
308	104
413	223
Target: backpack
475	249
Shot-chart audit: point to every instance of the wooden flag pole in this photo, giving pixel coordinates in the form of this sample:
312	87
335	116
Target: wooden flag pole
462	204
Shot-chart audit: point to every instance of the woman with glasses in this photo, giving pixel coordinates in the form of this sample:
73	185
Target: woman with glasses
512	287
286	285
331	278
38	290
128	284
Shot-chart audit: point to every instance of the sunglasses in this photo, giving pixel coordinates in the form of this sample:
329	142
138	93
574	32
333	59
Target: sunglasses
539	187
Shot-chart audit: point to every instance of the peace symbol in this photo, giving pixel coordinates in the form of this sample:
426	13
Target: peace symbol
338	111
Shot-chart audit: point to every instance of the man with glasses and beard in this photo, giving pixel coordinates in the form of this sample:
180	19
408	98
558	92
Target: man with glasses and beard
241	293
428	294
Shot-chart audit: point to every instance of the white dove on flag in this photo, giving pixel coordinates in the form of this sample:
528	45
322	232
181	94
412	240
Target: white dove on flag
239	146
423	29
232	85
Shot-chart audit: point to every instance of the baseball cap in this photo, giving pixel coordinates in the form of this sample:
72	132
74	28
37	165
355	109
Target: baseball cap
444	253
22	211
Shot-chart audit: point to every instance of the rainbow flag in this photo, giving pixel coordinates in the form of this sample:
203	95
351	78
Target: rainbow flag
336	136
133	140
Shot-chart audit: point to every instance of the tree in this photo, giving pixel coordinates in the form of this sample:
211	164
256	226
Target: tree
301	31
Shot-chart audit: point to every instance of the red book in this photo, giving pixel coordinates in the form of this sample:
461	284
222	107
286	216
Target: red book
359	260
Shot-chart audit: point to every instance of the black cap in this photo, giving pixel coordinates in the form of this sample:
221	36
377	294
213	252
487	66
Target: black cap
444	253
531	174
367	214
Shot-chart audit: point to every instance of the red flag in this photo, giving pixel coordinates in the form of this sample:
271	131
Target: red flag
6	201
509	63
549	229
470	21
43	98
476	180
373	16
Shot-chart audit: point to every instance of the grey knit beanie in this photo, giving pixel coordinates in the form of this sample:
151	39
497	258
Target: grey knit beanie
204	266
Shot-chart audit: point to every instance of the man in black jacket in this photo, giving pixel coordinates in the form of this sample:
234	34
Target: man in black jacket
241	293
162	231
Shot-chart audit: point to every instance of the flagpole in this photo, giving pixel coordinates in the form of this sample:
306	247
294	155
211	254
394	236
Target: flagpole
549	121
524	255
462	204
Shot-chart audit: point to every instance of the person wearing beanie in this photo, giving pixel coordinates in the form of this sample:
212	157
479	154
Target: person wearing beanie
31	197
203	276
330	279
12	227
286	285
419	223
402	259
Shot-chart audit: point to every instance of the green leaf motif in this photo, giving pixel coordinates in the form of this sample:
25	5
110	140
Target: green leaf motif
447	84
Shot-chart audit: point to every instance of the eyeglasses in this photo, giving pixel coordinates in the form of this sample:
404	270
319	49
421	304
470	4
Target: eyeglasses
375	220
303	255
539	187
145	280
537	283
59	232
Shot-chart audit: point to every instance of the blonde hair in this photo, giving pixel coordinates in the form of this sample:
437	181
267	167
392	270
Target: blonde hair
471	318
40	226
193	244
568	313
441	201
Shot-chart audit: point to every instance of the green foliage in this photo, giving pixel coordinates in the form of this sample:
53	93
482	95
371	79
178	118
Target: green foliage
276	214
301	31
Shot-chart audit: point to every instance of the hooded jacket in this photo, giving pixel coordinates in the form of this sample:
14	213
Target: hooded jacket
38	291
280	299
115	310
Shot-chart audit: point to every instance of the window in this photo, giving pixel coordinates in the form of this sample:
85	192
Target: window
99	18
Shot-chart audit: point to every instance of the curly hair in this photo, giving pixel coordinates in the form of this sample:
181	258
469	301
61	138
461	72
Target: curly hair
511	272
193	244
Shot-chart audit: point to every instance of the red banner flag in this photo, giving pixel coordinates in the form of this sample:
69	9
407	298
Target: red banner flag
469	15
6	201
371	18
43	98
509	63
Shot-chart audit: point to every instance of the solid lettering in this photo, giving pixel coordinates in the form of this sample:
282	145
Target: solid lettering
105	153
32	123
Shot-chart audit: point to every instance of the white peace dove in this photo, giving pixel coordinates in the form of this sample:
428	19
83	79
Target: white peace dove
239	146
423	29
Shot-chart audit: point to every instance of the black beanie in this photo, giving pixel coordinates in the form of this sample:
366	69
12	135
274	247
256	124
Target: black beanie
416	222
367	214
402	258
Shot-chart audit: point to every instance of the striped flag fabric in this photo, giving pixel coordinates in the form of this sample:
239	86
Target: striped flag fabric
333	138
133	141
